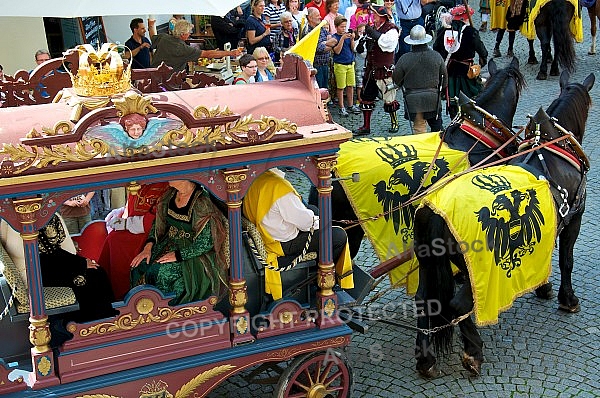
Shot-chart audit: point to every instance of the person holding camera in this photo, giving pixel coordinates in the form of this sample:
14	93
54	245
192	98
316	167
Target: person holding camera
343	65
381	42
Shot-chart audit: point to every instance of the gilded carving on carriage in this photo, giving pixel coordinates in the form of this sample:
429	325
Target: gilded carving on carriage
128	321
136	133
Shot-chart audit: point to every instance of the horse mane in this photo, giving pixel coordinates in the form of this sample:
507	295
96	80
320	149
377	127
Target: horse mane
571	109
497	80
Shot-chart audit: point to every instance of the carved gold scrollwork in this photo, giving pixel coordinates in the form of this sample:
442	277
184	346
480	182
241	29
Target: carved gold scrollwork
133	188
234	178
329	307
18	157
127	321
326	279
244	130
60	128
187	390
202	112
286	317
242	325
39	334
238	296
44	366
133	102
27	209
324	166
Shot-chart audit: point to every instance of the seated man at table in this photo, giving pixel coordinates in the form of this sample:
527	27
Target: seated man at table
175	52
285	224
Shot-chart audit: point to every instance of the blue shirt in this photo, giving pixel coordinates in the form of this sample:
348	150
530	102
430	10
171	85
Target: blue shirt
258	26
408	9
142	59
343	5
346	56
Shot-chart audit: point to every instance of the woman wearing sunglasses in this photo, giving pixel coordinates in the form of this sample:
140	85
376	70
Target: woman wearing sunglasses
266	69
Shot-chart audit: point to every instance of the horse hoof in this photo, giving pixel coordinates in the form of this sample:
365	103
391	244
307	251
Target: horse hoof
554	73
532	61
591	52
541	76
431	373
471	364
545	291
571	310
496	53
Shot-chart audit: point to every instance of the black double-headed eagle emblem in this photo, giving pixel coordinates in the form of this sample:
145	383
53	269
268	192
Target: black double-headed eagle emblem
404	183
512	223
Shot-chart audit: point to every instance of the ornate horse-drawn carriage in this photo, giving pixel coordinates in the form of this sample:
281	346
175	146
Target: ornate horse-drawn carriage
219	137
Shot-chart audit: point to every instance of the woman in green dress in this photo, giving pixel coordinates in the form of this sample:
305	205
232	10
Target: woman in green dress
184	253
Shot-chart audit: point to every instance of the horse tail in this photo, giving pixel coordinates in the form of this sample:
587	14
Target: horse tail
561	35
436	282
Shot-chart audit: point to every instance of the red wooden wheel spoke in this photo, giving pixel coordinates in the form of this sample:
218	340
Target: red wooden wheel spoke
313	374
326	372
336	376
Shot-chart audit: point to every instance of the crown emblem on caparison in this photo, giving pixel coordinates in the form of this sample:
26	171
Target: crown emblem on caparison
493	182
101	73
396	155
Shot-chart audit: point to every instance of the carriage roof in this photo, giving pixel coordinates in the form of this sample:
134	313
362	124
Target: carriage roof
48	147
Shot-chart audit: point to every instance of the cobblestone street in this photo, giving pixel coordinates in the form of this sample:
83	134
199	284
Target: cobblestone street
535	350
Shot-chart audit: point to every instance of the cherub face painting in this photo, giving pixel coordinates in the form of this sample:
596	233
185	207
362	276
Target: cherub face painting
134	125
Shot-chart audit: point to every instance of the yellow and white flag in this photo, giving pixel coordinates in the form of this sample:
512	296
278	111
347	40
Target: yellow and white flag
307	46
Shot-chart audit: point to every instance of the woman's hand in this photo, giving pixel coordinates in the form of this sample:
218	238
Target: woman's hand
167	258
144	255
91	264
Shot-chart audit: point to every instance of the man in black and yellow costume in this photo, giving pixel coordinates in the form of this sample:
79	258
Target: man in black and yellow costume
285	223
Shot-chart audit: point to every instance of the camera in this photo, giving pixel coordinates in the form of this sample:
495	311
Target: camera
350	31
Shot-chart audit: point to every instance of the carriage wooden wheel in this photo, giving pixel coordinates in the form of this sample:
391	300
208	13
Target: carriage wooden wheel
321	374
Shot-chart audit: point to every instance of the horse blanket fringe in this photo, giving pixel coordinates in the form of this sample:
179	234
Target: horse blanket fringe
575	25
391	171
504	219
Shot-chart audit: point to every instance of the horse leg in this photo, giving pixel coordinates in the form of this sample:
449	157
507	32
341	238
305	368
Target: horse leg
462	303
426	361
554	71
436	288
543	73
592	15
472	356
532	59
544	291
566	296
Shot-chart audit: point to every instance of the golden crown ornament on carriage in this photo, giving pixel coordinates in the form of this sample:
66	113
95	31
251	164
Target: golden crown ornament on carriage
102	72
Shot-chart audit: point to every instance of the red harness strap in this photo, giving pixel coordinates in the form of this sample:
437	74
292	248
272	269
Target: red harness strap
563	153
485	139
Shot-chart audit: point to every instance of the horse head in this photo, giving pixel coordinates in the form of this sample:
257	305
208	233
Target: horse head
489	118
502	90
566	115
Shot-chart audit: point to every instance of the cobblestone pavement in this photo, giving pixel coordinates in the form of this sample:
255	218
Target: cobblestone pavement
534	350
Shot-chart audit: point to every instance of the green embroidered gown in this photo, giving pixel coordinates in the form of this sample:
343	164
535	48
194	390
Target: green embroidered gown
194	276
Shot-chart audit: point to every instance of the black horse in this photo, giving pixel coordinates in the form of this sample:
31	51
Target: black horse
552	24
499	98
436	283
